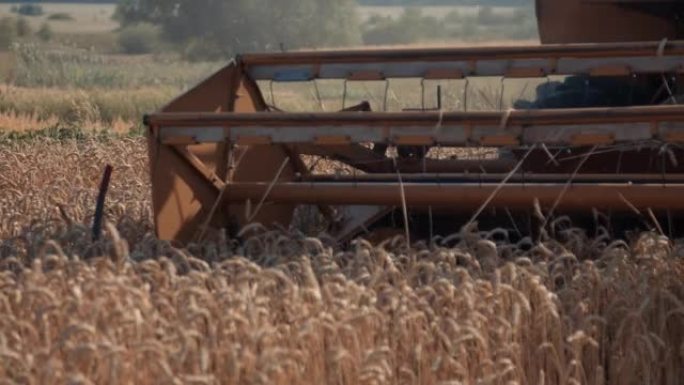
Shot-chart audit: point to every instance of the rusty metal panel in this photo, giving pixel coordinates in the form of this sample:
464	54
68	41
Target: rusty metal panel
182	198
258	163
656	2
179	193
581	21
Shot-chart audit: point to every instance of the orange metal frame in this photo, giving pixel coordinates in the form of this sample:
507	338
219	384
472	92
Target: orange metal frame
219	158
577	21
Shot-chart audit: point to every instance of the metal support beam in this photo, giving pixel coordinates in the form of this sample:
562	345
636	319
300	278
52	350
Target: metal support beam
566	127
467	196
532	61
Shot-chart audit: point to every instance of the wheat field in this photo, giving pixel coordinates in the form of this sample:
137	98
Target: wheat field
280	306
283	308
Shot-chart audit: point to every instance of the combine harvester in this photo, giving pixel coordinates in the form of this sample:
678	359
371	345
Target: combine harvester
586	124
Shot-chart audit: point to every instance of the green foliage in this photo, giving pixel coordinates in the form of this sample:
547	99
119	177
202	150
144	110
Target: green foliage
39	66
501	3
60	16
213	28
411	26
23	27
486	16
202	49
139	38
103	42
8	32
79	107
60	132
45	32
30	10
55	132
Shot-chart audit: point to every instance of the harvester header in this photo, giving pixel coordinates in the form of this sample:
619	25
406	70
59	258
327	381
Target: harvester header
405	137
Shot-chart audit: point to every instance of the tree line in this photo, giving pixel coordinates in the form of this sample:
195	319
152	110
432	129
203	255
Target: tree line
404	3
362	2
213	29
225	27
